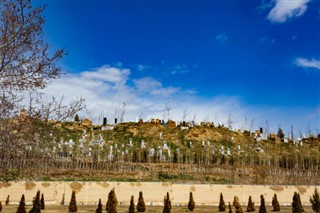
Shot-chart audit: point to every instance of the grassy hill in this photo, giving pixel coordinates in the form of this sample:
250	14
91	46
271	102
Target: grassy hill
155	152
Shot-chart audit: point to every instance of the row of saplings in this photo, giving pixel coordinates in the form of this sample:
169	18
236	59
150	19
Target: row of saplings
111	206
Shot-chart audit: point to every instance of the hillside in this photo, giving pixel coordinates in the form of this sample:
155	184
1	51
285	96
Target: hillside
157	152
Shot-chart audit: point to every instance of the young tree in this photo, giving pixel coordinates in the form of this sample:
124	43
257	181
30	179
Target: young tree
73	203
191	204
62	200
275	203
22	208
8	200
141	206
237	205
262	208
315	201
36	204
131	207
230	209
112	202
296	203
250	206
300	204
222	206
42	206
99	209
167	204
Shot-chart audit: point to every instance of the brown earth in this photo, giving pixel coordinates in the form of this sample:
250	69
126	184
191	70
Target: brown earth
150	209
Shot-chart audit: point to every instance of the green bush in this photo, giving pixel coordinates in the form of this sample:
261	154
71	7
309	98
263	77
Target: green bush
250	207
315	201
22	204
112	202
167	204
131	207
230	209
296	203
73	203
141	206
222	205
237	205
262	208
42	205
275	203
99	208
36	204
191	204
8	200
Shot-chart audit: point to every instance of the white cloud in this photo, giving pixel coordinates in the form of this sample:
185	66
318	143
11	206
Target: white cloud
179	69
284	10
146	84
154	87
222	38
108	74
141	67
105	89
306	63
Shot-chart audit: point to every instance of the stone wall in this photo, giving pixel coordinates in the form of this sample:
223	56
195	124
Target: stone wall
153	192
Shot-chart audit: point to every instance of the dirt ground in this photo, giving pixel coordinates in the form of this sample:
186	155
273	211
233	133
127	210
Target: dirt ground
150	209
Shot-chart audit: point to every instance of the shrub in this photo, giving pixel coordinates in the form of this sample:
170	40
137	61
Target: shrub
167	204
237	205
296	203
112	202
275	203
62	200
262	208
315	201
191	204
222	205
230	209
131	207
141	206
99	209
36	204
250	207
22	204
8	200
300	204
73	203
42	206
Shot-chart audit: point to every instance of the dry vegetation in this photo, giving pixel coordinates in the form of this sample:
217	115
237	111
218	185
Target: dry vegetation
202	161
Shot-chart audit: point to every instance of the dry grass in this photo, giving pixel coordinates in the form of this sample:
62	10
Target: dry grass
124	209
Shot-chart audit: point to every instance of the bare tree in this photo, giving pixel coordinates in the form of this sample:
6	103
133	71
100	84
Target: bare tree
252	124
167	110
245	122
26	65
122	111
25	62
185	114
230	120
194	117
267	128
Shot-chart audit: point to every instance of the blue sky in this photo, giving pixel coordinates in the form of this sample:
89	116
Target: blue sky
259	59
